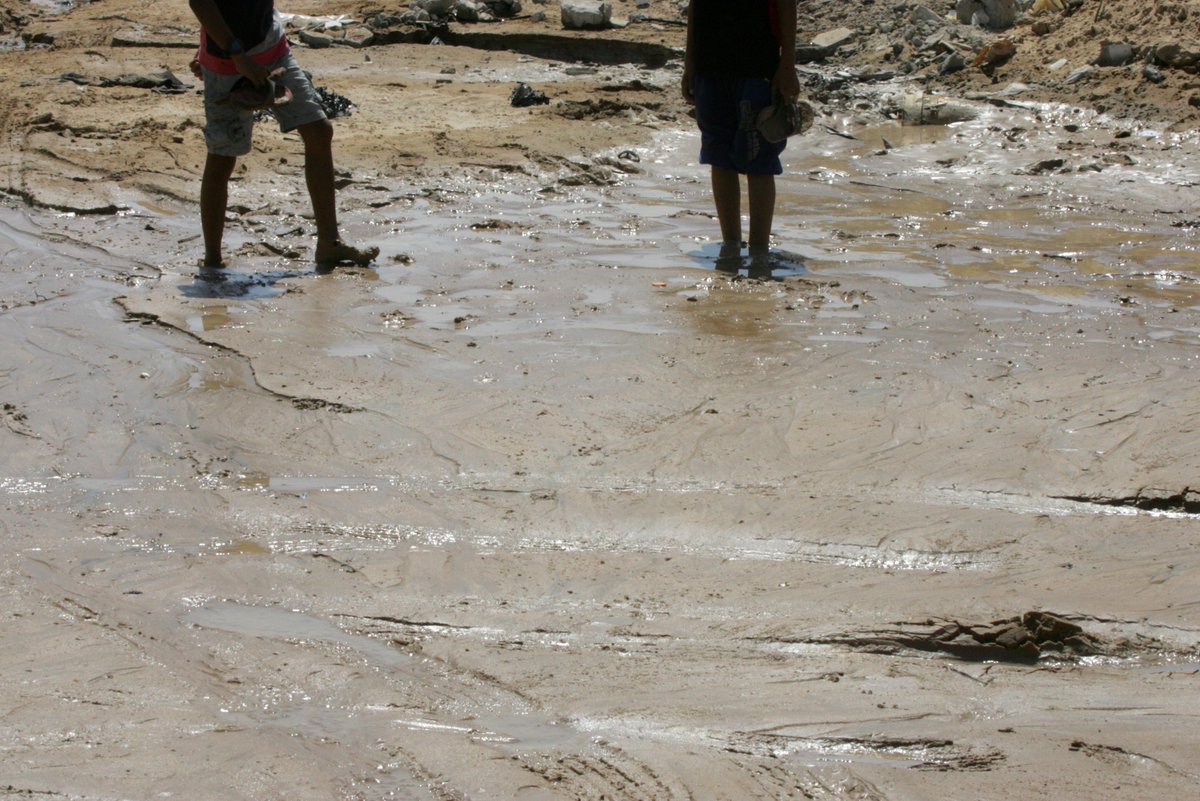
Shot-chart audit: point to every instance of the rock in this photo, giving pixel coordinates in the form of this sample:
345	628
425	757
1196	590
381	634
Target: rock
585	14
996	14
938	42
810	53
1115	55
832	40
925	14
1076	75
1176	56
436	8
504	8
1153	74
1044	166
466	11
953	63
524	95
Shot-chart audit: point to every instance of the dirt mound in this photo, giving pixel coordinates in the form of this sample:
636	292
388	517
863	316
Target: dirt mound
1054	53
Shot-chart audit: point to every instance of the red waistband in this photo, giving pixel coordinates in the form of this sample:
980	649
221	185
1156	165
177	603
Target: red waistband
225	66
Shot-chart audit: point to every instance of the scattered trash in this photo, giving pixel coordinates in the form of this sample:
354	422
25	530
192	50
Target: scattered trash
333	104
924	109
164	82
524	95
995	53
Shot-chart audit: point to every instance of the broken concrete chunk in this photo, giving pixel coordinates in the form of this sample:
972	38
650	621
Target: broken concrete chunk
585	14
832	40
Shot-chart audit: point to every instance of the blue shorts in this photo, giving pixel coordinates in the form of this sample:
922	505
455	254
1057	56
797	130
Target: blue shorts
726	111
227	129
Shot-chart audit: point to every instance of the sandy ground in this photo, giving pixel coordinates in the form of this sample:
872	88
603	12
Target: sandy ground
541	506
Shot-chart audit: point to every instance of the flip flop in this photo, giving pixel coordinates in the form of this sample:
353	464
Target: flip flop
341	253
248	97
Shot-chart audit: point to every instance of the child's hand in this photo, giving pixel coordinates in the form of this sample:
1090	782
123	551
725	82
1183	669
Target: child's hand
687	85
786	84
194	66
256	73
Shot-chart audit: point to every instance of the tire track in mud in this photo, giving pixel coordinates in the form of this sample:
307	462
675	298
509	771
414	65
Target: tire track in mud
589	764
229	705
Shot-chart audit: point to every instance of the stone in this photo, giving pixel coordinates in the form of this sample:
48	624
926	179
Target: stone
1076	75
1115	55
1153	74
504	8
466	11
996	14
436	8
585	14
952	63
832	40
925	14
1176	56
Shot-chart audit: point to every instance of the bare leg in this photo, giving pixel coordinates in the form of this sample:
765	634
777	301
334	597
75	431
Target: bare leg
761	191
318	175
727	195
214	198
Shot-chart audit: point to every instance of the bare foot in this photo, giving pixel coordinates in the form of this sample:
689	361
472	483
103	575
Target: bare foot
340	253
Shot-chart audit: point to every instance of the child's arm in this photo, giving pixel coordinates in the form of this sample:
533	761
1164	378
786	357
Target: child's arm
687	84
785	82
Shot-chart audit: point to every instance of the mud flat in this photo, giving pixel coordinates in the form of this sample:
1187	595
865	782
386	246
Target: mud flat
545	507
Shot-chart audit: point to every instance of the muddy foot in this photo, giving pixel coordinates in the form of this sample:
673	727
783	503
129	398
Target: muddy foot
341	253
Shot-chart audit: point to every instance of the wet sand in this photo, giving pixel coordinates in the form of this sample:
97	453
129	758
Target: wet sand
545	507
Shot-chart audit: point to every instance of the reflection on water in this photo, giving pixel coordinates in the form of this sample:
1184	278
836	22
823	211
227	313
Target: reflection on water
778	264
945	210
225	283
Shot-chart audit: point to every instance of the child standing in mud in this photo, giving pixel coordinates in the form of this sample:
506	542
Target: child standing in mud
740	54
243	39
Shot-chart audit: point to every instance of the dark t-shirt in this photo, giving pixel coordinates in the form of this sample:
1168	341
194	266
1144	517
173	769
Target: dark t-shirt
250	21
734	38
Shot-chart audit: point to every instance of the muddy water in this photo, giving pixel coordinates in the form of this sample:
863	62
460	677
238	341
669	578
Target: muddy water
546	506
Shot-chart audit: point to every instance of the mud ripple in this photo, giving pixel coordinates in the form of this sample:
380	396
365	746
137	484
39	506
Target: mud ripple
917	753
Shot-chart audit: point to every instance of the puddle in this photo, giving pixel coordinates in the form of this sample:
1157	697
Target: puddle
233	284
286	624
